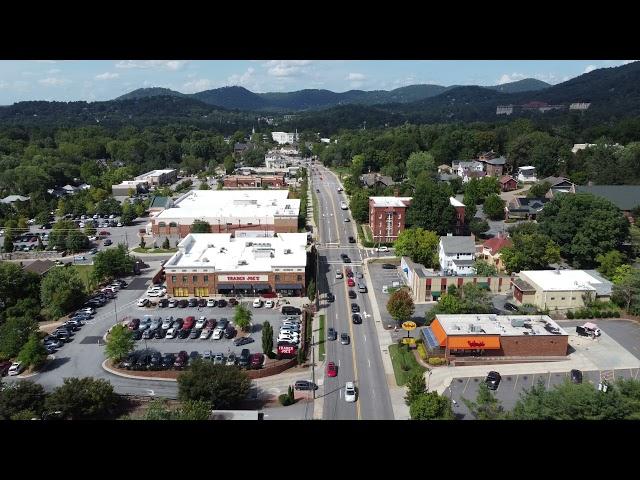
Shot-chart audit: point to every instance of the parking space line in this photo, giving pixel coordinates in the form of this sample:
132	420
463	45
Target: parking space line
516	382
549	381
465	385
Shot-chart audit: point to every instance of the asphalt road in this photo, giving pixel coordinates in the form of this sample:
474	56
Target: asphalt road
360	361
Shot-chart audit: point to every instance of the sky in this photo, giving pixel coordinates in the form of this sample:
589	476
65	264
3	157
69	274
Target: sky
96	80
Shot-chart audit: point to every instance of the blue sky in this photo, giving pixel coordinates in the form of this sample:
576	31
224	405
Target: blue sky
93	80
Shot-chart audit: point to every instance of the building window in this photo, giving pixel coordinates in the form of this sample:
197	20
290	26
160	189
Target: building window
573	298
173	224
173	278
553	298
184	279
562	298
162	224
277	278
206	279
299	278
195	278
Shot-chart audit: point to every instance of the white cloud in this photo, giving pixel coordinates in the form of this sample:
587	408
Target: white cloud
158	64
286	68
53	71
508	78
3	84
247	79
589	68
107	76
53	82
356	77
199	85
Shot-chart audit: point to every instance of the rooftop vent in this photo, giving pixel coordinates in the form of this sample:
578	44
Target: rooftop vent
287	251
249	244
242	262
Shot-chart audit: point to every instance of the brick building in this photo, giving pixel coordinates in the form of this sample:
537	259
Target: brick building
492	335
218	264
387	216
241	212
254	181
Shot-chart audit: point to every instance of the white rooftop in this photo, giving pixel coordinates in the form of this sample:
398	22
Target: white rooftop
233	204
527	168
154	173
564	280
504	325
390	201
219	252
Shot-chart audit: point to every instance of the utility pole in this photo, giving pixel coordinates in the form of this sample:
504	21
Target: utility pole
313	369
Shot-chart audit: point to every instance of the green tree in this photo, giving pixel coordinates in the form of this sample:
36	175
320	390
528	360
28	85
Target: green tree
83	399
89	229
430	208
76	241
450	304
200	226
119	343
14	333
267	339
626	290
400	305
494	207
530	252
311	290
242	317
584	226
22	396
420	162
16	284
229	165
220	386
609	263
40	244
359	205
193	410
112	263
431	406
538	190
33	352
486	405
484	268
416	386
61	291
165	244
418	244
8	243
204	186
477	226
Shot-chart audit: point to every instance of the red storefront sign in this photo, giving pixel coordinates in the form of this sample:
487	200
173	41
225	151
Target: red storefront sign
287	350
475	344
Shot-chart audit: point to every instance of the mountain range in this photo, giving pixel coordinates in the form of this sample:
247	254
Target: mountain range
242	99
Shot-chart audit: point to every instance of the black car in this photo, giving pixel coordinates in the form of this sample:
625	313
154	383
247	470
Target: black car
202	302
122	283
352	294
143	361
388	266
222	323
156	361
243	359
193	356
222	303
229	332
148	334
352	240
137	334
130	361
181	360
356	318
192	302
168	359
576	376
355	308
177	323
332	334
493	380
184	333
195	333
289	310
183	303
71	325
243	341
163	303
343	256
346	260
331	297
511	307
305	385
50	348
159	334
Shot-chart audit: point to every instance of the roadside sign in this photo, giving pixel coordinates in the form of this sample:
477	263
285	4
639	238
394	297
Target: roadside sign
409	325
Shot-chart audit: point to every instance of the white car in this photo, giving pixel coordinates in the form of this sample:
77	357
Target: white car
119	224
292	330
217	334
166	324
350	392
114	286
156	293
93	239
173	303
339	275
111	217
206	333
211	302
143	302
257	303
268	304
382	249
172	333
200	323
290	335
16	368
80	258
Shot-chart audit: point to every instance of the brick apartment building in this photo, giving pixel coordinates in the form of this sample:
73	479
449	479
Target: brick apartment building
254	181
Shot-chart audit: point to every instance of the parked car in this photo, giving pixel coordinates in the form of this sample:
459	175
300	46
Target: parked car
107	242
163	303
192	302
257	303
289	310
177	323
243	341
166	324
493	380
171	333
232	301
168	359
218	359
183	303
231	360
211	302
195	333
389	266
588	329
159	334
350	392
137	334
229	332
173	303
193	356
181	359
130	361
511	307
205	333
217	333
244	358
183	333
4	368
148	334
576	376
202	302
268	304
344	339
222	323
256	360
143	302
304	385
211	324
332	370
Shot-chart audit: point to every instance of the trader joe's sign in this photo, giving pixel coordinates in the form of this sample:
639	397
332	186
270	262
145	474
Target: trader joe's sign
243	278
287	350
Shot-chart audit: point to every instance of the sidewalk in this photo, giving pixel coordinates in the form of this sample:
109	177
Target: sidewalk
400	409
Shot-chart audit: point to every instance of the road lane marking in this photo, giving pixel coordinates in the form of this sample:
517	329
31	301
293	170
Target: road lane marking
365	339
369	362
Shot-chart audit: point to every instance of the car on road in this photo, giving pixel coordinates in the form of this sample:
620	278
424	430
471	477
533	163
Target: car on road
332	370
511	307
359	275
211	302
493	380
142	302
355	308
244	358
382	249
351	282
352	294
347	220
223	303
339	275
304	385
243	341
256	360
171	333
332	334
331	297
257	303
350	392
352	240
576	376
173	303
389	266
344	339
356	318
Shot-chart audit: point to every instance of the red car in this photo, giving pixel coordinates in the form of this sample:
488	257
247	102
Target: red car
233	302
188	323
332	370
104	232
351	283
134	324
256	360
269	295
181	360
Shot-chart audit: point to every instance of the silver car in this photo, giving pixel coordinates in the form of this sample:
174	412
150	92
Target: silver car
218	359
166	325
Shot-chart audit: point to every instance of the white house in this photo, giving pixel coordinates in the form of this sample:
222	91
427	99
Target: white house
284	137
461	167
527	174
456	255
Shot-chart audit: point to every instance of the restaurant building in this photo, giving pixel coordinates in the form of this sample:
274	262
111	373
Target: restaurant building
209	264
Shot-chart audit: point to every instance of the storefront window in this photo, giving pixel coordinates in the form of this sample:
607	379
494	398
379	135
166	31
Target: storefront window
277	277
195	278
299	278
206	279
173	278
184	279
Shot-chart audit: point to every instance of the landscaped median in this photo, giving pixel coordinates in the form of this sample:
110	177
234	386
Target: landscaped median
154	250
322	339
404	363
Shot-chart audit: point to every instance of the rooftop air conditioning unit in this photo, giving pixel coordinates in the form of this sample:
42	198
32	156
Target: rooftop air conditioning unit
242	262
287	251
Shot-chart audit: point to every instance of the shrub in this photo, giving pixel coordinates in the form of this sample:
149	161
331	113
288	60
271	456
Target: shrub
435	361
616	314
569	315
422	352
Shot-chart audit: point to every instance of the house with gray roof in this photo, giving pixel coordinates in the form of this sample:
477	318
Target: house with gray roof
625	197
457	254
14	198
376	180
559	185
523	207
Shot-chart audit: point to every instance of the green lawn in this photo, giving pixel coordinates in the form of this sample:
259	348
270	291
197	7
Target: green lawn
155	250
85	274
341	171
322	338
404	364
